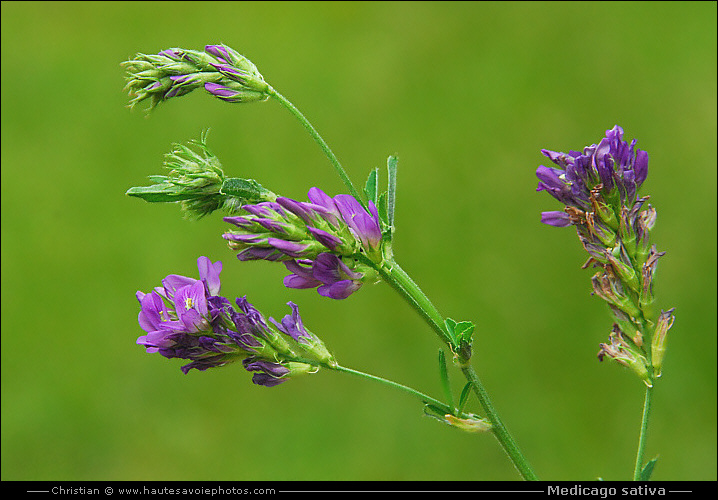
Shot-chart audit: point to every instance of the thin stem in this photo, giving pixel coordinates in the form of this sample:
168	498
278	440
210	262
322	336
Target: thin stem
393	274
423	397
642	436
386	382
318	138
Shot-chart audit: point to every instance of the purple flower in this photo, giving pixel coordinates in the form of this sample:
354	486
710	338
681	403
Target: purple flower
183	319
268	374
292	325
319	240
363	225
284	230
328	272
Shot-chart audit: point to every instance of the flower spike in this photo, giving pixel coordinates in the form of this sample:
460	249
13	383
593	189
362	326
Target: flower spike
599	190
220	70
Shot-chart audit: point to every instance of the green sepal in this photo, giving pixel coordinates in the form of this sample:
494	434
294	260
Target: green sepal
444	375
647	470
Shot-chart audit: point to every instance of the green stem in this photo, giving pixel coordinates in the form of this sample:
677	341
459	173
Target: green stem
498	427
318	138
389	383
393	274
642	436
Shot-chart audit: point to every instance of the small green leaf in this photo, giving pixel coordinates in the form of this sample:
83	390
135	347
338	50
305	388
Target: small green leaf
371	190
444	375
464	330
647	470
391	164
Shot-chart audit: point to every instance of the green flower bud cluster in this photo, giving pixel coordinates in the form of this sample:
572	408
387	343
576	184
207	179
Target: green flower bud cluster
196	181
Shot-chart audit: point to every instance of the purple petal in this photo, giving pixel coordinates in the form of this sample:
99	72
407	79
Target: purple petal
640	167
209	272
339	290
291	248
322	199
556	219
302	277
328	240
220	91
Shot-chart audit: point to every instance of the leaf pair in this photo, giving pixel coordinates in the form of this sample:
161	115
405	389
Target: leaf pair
384	201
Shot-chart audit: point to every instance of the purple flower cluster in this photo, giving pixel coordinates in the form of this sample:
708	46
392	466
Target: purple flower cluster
188	319
222	72
613	170
317	240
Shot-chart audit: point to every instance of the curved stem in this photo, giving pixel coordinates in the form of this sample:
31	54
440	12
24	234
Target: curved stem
393	274
642	436
318	138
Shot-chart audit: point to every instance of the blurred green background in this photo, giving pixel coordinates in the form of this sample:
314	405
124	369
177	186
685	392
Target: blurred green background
466	94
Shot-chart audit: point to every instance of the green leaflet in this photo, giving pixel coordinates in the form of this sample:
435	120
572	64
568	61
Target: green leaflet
647	470
164	192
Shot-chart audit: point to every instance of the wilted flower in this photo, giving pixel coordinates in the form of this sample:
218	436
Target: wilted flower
186	318
626	353
658	344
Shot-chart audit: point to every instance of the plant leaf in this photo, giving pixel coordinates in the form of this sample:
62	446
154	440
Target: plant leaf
371	189
391	164
464	397
158	193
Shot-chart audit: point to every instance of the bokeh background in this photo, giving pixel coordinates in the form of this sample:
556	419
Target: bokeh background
466	94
